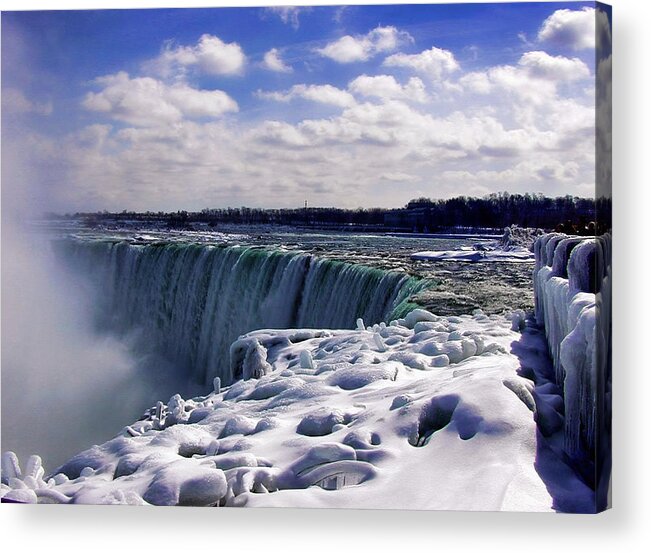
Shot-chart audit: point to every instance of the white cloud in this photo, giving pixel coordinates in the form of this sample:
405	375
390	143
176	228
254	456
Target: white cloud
195	103
570	29
210	56
357	157
273	62
477	82
279	132
15	101
534	80
529	126
557	68
524	133
397	177
324	94
434	62
386	87
348	49
143	101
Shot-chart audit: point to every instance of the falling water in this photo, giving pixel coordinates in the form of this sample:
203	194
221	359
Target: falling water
190	302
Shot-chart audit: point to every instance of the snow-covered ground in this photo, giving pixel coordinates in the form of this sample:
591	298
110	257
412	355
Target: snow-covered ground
425	413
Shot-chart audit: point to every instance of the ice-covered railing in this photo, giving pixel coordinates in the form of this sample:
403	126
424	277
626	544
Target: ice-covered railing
191	301
572	282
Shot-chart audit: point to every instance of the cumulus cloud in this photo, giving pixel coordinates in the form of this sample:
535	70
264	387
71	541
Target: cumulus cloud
434	62
210	56
570	29
338	160
143	101
14	101
387	87
349	49
323	94
273	62
535	79
279	133
557	68
527	126
404	128
477	82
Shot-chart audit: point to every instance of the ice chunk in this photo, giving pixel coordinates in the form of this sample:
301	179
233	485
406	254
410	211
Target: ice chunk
306	360
418	315
239	424
21	496
518	320
232	460
10	466
322	454
249	359
322	422
412	360
400	401
186	484
379	344
362	375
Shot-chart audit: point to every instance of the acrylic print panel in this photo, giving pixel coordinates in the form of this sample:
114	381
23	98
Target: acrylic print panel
342	256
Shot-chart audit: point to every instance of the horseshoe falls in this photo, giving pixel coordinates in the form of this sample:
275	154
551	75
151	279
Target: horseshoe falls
308	399
190	302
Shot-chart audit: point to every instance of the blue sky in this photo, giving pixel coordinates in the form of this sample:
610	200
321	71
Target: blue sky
352	106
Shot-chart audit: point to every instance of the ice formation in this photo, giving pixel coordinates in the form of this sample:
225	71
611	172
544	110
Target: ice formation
573	300
426	412
514	247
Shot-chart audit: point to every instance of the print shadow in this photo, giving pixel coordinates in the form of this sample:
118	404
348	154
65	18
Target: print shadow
570	491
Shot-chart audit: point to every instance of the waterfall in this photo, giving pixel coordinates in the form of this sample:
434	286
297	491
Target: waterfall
190	302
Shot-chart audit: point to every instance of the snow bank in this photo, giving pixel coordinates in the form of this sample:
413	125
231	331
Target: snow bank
427	412
572	284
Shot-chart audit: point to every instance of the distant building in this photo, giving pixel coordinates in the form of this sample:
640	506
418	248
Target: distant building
414	217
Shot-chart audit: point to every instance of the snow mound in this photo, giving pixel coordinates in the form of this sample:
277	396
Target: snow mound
424	413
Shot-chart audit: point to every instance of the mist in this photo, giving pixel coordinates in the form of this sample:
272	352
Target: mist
64	386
